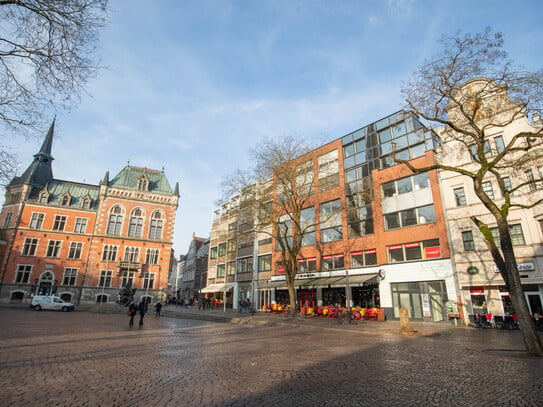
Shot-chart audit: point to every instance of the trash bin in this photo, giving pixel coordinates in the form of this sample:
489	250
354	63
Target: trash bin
380	314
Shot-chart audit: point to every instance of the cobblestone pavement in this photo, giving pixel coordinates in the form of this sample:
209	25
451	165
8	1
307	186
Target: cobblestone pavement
90	359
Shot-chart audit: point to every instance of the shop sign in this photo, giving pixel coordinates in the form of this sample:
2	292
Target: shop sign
472	270
305	275
426	305
520	267
526	267
476	290
432	252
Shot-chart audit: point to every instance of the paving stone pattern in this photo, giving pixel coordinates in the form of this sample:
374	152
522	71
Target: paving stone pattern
91	359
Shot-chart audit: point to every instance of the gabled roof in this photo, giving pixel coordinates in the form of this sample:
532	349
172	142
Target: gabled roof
128	178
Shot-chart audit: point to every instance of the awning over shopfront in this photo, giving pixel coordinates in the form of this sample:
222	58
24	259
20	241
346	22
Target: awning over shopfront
322	282
355	280
215	288
319	282
271	284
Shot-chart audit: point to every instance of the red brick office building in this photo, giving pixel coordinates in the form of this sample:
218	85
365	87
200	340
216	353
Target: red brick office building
85	242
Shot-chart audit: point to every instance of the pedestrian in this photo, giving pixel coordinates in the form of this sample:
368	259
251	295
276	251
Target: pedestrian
132	311
142	308
158	308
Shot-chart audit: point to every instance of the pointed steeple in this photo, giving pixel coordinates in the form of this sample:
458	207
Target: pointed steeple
40	171
48	142
105	180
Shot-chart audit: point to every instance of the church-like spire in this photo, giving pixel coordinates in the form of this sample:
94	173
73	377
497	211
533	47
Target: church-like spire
45	149
40	171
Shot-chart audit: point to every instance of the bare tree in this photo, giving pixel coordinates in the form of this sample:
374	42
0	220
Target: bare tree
470	90
47	55
277	196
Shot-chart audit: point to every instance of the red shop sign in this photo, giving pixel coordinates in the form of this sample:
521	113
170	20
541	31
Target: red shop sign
432	252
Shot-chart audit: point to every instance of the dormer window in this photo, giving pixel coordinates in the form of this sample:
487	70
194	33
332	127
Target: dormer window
85	204
65	200
43	197
143	183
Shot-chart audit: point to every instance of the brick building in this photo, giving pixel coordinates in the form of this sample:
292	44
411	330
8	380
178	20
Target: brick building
84	242
381	236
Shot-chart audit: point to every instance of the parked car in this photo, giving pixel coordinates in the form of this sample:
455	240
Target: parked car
53	302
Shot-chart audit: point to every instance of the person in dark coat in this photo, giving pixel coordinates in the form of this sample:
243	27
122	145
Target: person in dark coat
133	310
158	308
142	308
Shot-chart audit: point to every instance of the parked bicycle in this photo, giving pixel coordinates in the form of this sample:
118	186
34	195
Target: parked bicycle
346	317
287	315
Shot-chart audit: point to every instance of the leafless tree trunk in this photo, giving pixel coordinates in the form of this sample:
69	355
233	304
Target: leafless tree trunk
470	90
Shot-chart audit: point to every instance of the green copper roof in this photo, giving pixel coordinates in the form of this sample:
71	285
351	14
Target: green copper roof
128	178
57	189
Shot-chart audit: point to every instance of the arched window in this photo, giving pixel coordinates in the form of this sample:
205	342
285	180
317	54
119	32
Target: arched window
43	197
136	223
155	229
115	223
86	203
65	200
143	183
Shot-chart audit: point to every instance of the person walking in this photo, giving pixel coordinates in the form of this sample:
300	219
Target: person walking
142	308
132	310
158	308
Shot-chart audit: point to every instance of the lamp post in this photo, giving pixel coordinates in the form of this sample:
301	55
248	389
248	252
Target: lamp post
348	290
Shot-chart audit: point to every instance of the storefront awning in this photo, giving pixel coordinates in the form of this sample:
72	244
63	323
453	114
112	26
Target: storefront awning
320	282
355	280
215	288
272	284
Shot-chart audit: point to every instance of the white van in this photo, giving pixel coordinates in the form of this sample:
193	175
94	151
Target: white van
53	302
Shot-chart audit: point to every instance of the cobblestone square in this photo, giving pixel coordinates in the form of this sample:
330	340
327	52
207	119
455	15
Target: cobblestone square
92	359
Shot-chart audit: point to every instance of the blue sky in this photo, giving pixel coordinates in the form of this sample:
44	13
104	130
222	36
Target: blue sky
192	85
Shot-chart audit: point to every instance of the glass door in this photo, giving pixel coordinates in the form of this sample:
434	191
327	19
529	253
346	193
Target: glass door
534	302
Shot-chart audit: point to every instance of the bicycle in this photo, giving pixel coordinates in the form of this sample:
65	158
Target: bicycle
346	317
287	315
